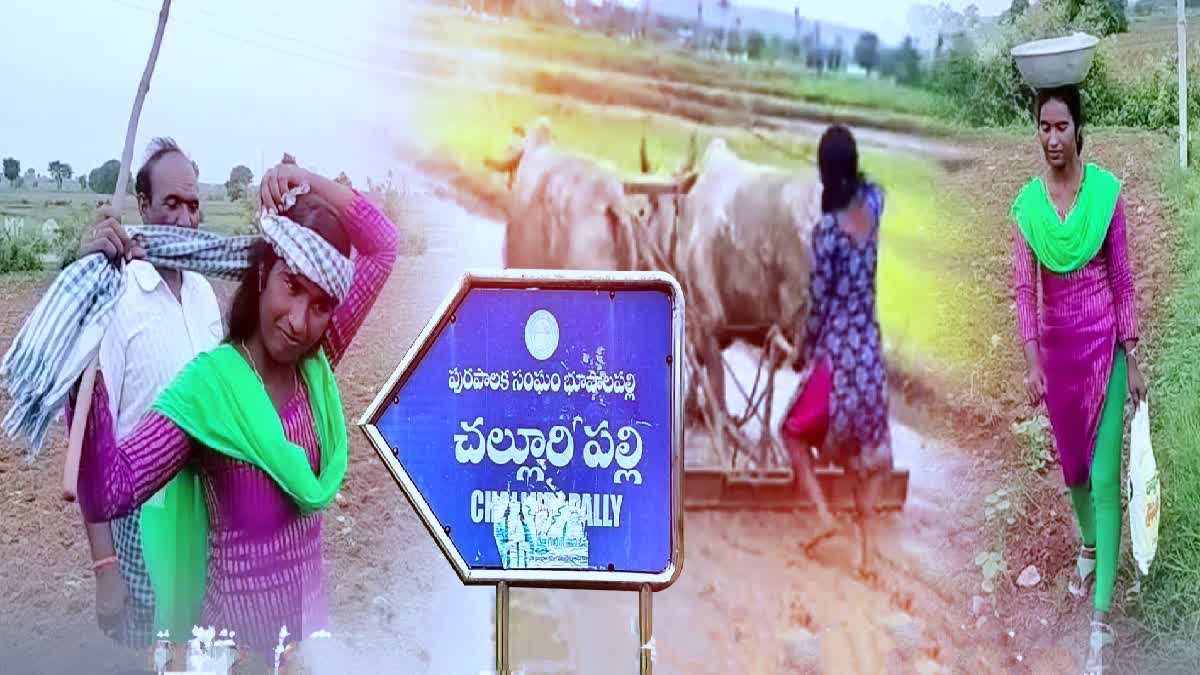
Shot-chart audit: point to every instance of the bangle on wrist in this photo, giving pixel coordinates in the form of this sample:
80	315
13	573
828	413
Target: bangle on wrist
110	560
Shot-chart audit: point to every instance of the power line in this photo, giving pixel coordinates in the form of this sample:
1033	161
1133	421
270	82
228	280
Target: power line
356	64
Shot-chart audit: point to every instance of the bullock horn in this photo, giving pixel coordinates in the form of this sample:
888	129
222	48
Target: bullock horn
503	165
693	150
644	158
688	181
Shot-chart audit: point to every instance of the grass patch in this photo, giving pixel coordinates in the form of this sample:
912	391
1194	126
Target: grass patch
1148	40
920	303
1171	598
717	105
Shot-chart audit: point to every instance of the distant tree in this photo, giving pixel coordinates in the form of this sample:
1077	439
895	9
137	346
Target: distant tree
971	17
60	171
82	182
1105	16
343	179
239	181
724	6
31	177
837	56
756	45
906	63
866	52
775	49
12	169
1017	8
103	179
1115	14
734	43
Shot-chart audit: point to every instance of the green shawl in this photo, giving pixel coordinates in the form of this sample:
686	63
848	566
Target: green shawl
1065	246
220	402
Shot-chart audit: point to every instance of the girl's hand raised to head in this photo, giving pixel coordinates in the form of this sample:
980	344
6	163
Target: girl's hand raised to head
276	183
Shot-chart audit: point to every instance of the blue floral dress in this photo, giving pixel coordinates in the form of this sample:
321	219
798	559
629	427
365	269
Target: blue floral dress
842	327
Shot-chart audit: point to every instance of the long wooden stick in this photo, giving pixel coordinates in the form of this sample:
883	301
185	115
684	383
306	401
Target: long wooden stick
83	403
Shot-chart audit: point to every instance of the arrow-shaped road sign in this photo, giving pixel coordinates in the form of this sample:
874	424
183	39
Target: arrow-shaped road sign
536	427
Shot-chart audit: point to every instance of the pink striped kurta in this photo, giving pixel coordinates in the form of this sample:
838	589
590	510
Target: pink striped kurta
265	564
1085	313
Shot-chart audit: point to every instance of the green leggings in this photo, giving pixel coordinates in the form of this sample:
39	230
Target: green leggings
1099	508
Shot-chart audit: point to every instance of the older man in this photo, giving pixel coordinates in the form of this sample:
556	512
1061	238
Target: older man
162	320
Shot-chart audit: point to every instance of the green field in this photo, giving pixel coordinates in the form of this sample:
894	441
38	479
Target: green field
27	245
564	45
1149	41
918	309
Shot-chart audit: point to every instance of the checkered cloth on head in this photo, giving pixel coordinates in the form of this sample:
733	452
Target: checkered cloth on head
62	334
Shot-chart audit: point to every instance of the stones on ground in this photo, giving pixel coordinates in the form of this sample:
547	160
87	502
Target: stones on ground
384	610
802	651
929	667
1030	577
904	631
978	605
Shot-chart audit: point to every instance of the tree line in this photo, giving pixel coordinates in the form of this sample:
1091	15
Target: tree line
103	179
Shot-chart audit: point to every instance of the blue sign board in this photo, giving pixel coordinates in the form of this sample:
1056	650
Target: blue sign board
535	427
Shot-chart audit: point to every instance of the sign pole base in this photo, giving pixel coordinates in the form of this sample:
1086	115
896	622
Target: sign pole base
502	628
645	631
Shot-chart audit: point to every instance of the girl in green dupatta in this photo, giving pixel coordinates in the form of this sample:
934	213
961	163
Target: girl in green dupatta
1069	236
259	420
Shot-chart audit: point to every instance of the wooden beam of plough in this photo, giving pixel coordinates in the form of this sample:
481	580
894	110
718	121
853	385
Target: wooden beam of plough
777	489
770	484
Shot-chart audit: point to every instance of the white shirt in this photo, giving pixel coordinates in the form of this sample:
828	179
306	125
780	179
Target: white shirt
152	336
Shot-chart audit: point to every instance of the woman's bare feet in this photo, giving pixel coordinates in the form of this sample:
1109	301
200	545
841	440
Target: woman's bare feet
828	530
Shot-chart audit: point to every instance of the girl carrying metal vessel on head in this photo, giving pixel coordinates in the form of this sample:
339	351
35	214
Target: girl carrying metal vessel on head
1081	349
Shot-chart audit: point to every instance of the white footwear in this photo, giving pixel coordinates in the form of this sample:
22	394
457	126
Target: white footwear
1099	649
1085	566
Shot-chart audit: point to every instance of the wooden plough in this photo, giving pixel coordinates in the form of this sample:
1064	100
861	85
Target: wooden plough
736	460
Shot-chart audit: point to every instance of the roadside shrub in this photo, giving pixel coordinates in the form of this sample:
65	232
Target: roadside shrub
21	247
400	203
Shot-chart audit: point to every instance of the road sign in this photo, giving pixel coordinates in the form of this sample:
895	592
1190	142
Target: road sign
535	425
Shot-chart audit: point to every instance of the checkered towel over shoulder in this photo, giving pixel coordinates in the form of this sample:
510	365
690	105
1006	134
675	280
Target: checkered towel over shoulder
60	337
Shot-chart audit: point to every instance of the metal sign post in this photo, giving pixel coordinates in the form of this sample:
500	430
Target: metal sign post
645	631
502	628
536	428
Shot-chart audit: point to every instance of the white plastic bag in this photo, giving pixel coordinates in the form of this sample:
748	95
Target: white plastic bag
1145	496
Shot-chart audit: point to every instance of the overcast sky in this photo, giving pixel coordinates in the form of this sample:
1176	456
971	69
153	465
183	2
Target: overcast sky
887	18
240	83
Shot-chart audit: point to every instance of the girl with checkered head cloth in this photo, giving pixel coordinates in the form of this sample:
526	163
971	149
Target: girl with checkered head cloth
250	439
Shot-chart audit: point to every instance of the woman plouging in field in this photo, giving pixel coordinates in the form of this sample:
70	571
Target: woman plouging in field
842	409
1081	349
